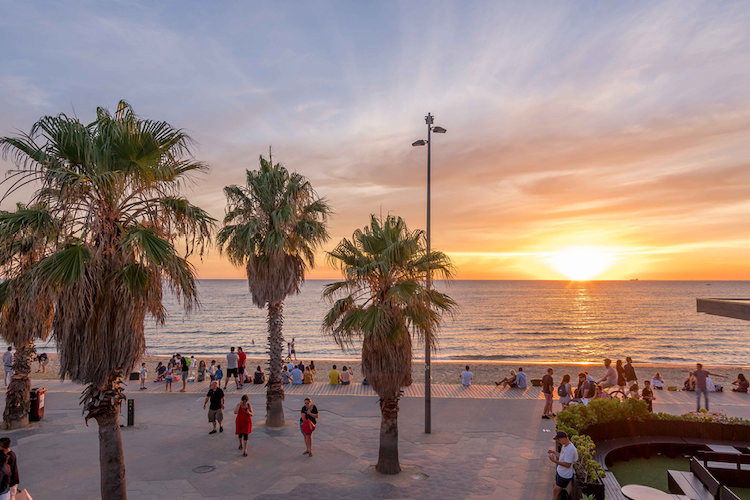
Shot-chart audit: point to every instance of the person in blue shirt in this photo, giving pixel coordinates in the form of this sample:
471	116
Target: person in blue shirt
296	376
219	373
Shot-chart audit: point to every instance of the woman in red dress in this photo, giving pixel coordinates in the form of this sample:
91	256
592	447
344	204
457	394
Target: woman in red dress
243	422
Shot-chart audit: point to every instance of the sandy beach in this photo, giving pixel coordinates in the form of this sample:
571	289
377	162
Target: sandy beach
448	372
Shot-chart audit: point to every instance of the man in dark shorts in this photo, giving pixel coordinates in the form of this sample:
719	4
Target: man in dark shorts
232	363
241	357
547	385
185	369
215	410
565	459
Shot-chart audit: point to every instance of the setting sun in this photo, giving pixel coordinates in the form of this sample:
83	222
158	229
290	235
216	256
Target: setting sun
581	263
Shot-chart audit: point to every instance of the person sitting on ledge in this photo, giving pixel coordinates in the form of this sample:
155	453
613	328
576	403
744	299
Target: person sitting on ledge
741	383
657	382
259	377
689	384
308	376
333	376
508	380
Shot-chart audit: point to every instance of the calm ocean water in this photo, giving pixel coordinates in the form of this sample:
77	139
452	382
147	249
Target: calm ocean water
652	321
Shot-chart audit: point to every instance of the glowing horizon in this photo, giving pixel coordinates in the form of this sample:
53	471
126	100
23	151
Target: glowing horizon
620	128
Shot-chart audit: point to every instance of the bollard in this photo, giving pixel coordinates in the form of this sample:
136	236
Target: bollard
131	412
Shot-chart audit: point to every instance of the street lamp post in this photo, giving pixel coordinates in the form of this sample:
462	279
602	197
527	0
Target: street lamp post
427	373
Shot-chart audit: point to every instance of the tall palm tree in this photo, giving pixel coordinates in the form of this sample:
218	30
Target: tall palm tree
26	237
272	227
114	185
384	301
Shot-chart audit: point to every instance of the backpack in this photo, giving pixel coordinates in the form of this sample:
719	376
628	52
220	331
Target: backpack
188	362
562	391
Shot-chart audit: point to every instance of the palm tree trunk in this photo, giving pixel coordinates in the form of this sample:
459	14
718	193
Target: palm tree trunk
103	405
275	391
388	453
17	404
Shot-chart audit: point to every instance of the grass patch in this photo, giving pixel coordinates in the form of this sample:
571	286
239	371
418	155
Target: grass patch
653	472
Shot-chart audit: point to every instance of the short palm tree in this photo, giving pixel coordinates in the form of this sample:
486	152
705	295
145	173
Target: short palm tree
27	235
272	228
384	301
114	185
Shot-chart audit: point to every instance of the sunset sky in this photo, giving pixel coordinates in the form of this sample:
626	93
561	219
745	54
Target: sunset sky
609	136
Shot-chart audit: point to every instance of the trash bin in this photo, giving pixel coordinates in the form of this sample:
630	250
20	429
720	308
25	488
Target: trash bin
37	404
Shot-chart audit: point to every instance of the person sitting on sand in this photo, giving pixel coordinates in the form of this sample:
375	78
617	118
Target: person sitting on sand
689	384
312	367
259	377
466	377
333	376
508	380
296	375
741	383
345	377
657	382
308	376
520	379
161	372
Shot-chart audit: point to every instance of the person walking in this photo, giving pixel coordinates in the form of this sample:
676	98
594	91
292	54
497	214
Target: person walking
215	397
700	376
630	376
294	351
243	422
564	461
547	384
620	375
232	363
5	475
8	365
307	423
564	391
13	465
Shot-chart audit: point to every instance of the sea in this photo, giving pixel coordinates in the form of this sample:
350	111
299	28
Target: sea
532	321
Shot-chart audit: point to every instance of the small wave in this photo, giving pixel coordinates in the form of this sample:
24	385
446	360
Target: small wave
671	358
479	357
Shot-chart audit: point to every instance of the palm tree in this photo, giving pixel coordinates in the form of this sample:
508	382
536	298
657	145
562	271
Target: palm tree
272	228
114	185
26	236
384	301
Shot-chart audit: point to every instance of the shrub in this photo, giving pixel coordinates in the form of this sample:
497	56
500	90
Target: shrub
587	469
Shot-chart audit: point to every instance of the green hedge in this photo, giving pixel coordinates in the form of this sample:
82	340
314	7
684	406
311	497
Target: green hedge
576	418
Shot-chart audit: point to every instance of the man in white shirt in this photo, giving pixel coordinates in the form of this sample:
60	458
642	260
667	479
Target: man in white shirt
565	459
466	376
8	364
232	363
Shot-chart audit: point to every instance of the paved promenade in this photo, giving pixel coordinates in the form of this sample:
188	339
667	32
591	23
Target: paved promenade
486	443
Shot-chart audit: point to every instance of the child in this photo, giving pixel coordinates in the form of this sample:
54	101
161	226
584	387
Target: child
634	392
219	374
170	371
212	370
144	373
648	395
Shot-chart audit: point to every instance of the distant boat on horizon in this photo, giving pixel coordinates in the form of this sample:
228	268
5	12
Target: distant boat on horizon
634	279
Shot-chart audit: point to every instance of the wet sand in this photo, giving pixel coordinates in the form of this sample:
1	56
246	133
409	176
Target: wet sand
448	372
